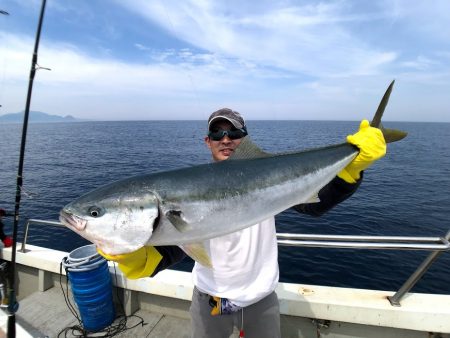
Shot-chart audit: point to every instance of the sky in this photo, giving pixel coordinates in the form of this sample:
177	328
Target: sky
268	59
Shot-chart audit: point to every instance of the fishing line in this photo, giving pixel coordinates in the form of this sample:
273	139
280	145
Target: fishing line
110	331
66	298
28	194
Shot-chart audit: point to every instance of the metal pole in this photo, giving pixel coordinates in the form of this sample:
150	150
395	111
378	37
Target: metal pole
13	305
36	221
415	277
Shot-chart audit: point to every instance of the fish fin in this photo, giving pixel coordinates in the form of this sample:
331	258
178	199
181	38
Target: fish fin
177	219
390	135
314	199
198	253
376	120
393	135
247	150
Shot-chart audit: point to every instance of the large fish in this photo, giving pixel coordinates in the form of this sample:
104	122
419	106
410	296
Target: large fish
187	206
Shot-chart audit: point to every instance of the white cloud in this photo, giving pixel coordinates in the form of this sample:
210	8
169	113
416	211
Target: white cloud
267	59
421	63
77	79
293	38
425	19
142	47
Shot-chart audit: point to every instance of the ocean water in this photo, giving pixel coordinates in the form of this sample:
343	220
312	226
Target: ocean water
405	194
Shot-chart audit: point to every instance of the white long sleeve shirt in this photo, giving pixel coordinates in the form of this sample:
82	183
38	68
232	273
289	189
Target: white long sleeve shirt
245	265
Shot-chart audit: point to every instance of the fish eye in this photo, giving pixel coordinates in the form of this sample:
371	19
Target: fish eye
95	212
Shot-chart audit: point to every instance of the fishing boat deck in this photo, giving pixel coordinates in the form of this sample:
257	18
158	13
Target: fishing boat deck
163	303
45	314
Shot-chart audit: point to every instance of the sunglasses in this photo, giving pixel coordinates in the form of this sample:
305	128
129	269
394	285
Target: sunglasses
219	134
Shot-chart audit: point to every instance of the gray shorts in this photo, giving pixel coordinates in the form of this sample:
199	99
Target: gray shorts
261	320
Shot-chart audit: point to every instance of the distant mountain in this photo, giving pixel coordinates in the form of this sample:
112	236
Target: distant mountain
37	116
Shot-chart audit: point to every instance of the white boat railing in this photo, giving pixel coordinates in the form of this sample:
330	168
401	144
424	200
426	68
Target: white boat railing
436	245
364	242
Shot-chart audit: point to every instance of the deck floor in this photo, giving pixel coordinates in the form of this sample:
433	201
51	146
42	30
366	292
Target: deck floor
45	314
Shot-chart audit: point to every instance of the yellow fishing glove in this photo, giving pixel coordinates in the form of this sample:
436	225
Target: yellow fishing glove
372	147
137	264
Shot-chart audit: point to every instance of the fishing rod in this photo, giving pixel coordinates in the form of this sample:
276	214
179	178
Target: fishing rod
13	305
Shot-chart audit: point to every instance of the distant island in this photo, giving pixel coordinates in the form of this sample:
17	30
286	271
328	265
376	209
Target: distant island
37	117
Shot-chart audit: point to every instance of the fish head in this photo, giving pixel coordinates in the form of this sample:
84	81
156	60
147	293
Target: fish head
117	222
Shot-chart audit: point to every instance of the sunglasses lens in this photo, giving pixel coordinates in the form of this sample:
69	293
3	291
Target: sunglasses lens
236	134
216	136
232	134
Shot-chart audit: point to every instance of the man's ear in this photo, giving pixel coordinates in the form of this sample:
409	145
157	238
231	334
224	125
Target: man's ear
208	142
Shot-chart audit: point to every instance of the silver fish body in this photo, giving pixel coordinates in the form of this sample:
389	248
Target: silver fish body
187	206
220	198
193	204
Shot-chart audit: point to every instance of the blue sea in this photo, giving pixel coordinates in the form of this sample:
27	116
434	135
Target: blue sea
404	194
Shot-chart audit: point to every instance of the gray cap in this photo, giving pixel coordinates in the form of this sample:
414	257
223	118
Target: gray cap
227	114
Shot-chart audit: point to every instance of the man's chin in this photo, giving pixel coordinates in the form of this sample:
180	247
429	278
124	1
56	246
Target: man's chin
220	157
225	156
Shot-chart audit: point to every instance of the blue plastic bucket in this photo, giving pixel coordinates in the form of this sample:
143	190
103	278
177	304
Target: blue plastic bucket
91	287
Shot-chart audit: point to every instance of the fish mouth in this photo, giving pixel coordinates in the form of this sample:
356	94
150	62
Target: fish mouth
72	221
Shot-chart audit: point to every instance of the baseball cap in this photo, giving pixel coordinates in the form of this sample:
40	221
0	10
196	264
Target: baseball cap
227	114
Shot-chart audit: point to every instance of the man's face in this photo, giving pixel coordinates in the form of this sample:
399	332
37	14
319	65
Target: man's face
223	148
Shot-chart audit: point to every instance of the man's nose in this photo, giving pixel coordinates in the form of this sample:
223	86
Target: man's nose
225	139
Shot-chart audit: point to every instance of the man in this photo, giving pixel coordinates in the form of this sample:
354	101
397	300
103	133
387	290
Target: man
240	288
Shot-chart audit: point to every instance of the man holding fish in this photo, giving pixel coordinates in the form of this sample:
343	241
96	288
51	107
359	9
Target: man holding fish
236	286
